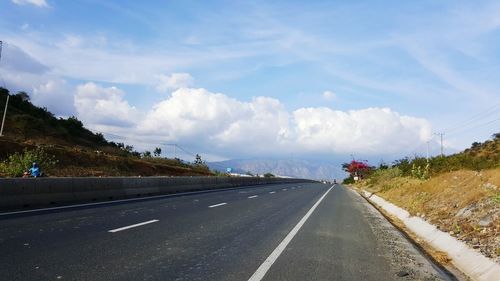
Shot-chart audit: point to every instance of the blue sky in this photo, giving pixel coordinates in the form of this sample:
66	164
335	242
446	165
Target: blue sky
374	78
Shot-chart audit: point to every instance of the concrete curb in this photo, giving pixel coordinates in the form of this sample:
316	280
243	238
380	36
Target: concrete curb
470	262
19	193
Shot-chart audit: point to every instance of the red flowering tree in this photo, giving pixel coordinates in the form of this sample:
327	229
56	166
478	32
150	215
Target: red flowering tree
357	168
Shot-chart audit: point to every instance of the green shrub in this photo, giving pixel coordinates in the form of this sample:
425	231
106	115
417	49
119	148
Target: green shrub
16	164
268	175
349	180
382	175
420	172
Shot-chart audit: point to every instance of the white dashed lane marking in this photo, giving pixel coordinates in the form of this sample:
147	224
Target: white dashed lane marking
217	205
132	226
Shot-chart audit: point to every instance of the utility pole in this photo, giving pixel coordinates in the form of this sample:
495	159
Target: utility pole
8	96
441	137
4	113
428	149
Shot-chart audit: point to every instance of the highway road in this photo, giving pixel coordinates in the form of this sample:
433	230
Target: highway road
308	231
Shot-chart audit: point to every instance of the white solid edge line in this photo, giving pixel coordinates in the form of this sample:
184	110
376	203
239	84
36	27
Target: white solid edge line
253	196
266	265
217	205
121	201
132	226
272	192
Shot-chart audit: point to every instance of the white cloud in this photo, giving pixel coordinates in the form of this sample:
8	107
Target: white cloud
173	82
39	3
370	131
329	95
97	105
263	126
56	95
190	112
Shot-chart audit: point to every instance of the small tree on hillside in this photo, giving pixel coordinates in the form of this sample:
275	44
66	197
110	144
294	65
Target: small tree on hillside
23	96
157	152
199	163
268	175
198	160
475	145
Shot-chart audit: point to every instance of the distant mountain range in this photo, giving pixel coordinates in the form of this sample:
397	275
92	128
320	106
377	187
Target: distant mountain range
297	168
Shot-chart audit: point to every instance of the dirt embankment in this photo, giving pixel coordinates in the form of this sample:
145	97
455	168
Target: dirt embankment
80	161
466	204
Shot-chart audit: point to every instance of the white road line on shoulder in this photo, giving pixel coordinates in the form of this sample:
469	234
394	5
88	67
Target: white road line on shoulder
253	196
217	205
132	226
272	192
112	202
284	189
266	265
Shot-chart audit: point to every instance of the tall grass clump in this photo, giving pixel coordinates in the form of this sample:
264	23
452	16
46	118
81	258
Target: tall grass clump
383	175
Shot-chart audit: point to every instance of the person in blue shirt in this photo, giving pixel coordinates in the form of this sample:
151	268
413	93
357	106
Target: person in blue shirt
35	170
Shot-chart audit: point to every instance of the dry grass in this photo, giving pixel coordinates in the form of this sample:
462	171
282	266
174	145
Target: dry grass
78	161
464	203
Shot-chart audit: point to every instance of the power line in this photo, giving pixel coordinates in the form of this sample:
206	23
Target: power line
180	147
477	117
475	127
175	145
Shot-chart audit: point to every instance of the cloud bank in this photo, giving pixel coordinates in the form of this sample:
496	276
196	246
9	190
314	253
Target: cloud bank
216	123
221	125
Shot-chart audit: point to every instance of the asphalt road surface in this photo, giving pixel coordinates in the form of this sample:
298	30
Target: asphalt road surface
308	231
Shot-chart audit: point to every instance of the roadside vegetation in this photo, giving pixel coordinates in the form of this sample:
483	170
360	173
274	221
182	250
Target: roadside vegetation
64	147
460	193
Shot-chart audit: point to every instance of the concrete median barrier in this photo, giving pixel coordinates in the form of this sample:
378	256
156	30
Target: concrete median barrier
19	193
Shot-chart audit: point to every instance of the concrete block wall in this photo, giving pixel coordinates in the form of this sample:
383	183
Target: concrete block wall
18	193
